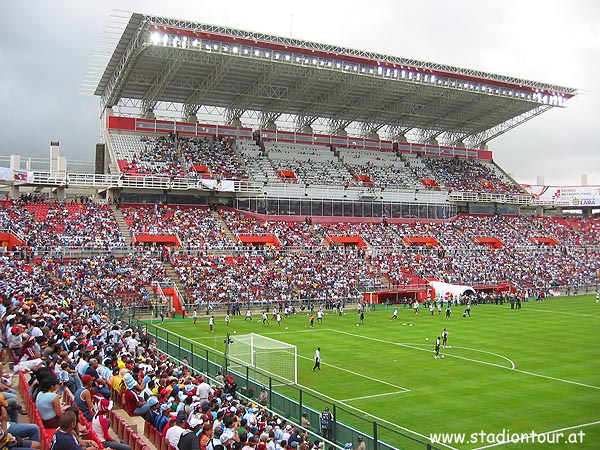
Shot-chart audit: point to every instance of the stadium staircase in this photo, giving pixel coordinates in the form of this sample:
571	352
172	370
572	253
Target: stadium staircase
224	226
174	277
123	227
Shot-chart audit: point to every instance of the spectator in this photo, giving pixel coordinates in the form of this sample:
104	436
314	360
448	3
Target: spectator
47	403
100	425
64	439
134	405
83	397
176	430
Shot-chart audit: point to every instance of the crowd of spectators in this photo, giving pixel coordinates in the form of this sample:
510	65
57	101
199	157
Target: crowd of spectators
273	277
302	234
77	348
537	251
197	228
459	174
177	156
63	225
100	278
53	307
217	155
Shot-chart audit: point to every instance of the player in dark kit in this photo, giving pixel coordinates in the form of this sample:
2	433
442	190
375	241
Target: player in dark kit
444	338
317	359
437	348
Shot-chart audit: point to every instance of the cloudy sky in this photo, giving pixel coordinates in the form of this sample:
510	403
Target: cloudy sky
46	48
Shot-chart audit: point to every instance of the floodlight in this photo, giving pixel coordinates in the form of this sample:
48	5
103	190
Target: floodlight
276	55
165	39
314	61
155	38
245	51
432	78
195	42
215	46
256	53
404	74
338	65
267	54
297	59
287	57
225	48
234	49
175	40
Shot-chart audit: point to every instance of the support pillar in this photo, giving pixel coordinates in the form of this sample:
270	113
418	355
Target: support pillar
14	191
58	194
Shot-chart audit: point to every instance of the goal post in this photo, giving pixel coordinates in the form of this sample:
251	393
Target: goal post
265	355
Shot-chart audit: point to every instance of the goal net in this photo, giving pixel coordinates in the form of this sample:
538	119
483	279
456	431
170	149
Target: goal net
266	356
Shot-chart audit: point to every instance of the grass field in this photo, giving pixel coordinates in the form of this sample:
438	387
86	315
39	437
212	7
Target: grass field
534	369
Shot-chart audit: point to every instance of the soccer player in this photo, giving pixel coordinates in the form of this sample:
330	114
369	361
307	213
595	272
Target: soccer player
468	310
227	319
265	319
395	315
437	348
311	320
444	338
361	317
211	323
439	308
248	316
317	359
278	320
195	316
432	308
597	297
448	312
320	316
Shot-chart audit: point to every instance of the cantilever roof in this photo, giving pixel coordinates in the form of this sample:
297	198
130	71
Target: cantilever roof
165	60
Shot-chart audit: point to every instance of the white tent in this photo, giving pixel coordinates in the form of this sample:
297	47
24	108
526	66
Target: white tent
446	289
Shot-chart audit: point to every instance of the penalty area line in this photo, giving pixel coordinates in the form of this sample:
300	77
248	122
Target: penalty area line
356	374
372	396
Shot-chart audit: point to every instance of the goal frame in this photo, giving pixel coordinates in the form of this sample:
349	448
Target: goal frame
252	344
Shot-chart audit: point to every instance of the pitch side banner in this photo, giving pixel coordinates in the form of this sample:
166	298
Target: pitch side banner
574	195
217	185
16	176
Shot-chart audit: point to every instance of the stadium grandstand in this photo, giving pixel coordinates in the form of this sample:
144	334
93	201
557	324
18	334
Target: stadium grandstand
239	168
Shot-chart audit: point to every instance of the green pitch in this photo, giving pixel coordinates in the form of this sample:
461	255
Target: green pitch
534	369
